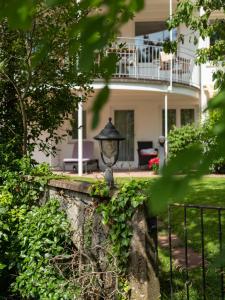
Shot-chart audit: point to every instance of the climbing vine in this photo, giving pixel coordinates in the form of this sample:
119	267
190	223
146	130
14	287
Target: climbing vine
117	213
100	189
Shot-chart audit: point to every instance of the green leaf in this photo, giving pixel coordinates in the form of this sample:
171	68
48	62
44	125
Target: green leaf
217	102
2	266
176	177
18	12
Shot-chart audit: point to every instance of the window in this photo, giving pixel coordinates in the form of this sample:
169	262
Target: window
187	116
74	125
172	117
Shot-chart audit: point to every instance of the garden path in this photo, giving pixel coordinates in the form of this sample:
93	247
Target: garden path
178	252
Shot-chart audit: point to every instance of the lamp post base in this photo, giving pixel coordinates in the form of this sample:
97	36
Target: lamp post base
108	175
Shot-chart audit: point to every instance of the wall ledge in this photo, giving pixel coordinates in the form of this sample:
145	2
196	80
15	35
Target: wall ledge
76	186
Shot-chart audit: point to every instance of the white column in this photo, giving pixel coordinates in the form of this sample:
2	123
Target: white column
166	124
80	131
170	87
80	139
171	56
203	97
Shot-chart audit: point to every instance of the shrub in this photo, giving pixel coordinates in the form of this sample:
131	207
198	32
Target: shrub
43	234
181	138
211	142
17	196
31	236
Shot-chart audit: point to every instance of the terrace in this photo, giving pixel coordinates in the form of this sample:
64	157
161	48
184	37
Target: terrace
146	60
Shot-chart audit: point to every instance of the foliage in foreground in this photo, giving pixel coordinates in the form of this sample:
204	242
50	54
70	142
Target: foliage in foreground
31	236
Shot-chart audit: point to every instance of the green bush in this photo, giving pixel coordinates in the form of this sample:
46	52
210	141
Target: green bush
31	236
43	234
181	138
211	142
19	191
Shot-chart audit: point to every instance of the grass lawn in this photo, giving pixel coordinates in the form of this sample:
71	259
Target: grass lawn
209	191
74	178
117	180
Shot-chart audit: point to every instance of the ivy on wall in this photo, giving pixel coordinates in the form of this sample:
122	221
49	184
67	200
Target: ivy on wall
117	213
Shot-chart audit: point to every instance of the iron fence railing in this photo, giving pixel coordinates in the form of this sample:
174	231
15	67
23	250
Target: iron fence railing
215	217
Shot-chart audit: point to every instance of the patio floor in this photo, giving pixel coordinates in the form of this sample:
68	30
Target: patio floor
116	174
134	173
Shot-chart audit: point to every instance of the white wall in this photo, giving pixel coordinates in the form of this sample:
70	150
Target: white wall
128	30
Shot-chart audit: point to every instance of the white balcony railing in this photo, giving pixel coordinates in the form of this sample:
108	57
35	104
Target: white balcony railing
147	61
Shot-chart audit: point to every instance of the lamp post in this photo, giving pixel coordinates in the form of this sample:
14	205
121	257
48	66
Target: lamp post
109	139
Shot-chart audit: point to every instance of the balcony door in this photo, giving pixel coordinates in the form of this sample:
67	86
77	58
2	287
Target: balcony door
124	122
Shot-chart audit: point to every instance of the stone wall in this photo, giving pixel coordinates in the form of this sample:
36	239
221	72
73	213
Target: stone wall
79	205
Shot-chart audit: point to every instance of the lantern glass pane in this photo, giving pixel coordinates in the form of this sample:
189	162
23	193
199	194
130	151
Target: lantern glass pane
109	148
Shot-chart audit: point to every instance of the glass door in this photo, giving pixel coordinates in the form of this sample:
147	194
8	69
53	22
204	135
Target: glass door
124	122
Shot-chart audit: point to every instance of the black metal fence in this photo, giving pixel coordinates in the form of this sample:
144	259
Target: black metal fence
204	225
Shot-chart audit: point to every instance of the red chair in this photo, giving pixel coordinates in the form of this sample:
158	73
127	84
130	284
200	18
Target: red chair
146	152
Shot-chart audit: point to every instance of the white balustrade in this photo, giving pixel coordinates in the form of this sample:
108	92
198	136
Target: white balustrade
147	61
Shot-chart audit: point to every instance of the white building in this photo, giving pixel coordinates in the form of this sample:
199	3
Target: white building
147	84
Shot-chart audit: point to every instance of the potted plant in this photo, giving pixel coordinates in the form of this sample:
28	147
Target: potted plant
153	165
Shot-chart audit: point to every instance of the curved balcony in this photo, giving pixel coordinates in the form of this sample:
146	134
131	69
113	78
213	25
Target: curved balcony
146	60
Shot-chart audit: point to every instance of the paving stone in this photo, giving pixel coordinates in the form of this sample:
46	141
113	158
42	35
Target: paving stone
163	241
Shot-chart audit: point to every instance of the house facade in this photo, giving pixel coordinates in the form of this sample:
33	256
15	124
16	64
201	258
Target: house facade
148	88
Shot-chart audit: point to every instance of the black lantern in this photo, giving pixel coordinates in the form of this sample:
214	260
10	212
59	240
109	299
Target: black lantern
109	139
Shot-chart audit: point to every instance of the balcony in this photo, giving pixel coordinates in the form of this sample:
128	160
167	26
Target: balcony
146	60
